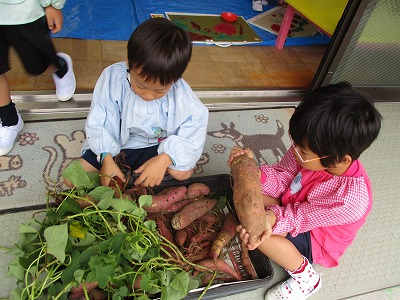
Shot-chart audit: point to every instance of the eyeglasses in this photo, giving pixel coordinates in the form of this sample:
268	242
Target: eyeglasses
302	161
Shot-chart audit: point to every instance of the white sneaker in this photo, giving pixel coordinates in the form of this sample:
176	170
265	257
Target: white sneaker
264	2
257	5
292	290
65	87
8	134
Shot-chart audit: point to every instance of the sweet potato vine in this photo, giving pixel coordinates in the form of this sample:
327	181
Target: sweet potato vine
107	244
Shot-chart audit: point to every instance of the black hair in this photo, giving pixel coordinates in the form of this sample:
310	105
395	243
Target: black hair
161	49
335	120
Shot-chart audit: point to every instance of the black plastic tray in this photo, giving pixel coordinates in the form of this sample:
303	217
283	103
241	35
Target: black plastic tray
221	184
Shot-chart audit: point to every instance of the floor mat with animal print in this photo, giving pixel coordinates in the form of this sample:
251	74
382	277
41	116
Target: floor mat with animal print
44	149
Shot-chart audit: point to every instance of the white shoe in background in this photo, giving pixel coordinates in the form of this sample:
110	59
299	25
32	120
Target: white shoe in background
65	87
8	134
257	5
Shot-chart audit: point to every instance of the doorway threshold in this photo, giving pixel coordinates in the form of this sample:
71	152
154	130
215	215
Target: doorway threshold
44	105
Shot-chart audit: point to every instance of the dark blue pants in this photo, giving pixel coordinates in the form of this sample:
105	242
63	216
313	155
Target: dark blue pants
134	157
303	243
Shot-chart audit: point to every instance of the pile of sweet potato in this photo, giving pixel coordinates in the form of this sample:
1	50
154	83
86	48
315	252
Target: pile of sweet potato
190	218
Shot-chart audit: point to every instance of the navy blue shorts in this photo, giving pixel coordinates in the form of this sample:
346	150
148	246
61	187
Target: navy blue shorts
303	243
134	157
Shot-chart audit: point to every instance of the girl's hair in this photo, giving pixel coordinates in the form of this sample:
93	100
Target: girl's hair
335	120
161	49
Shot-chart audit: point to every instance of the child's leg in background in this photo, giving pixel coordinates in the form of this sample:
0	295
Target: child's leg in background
10	121
34	46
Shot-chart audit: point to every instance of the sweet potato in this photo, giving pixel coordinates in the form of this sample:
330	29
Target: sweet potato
177	206
164	230
180	237
89	286
218	265
191	212
197	189
205	235
86	202
248	197
247	264
226	234
164	199
77	293
210	217
117	185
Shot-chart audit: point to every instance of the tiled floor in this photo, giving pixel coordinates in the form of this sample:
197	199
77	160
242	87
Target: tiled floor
258	67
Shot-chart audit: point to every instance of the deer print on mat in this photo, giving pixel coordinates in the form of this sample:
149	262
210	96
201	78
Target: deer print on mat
256	142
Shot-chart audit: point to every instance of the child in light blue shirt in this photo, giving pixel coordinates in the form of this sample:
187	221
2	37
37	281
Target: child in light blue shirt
144	109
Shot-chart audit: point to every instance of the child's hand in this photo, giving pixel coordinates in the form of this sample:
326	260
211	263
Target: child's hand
152	172
54	19
110	169
244	236
237	151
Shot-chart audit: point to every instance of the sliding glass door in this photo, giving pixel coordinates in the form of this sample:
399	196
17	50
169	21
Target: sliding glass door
365	50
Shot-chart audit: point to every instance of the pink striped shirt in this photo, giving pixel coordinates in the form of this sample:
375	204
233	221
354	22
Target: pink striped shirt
332	208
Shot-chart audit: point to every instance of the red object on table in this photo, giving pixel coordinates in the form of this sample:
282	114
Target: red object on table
229	17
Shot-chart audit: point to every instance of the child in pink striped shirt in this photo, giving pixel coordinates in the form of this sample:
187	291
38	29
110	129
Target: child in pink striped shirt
319	195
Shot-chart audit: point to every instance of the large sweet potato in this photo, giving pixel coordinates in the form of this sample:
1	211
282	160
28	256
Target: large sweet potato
191	212
165	199
248	197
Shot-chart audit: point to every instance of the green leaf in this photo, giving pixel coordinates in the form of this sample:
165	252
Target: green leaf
98	192
24	228
169	293
222	202
57	237
145	200
78	275
123	205
179	286
16	270
77	175
123	291
69	205
88	253
104	266
68	273
116	242
150	283
77	231
16	294
106	200
151	224
56	289
151	252
180	282
89	240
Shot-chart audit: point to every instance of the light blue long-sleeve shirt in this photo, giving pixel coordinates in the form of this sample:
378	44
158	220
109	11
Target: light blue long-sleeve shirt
119	119
17	12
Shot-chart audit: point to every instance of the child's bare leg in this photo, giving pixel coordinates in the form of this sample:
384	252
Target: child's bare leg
88	168
304	280
282	251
